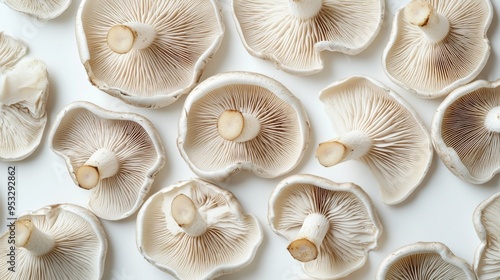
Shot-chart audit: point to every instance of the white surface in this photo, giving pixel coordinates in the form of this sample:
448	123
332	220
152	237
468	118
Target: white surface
439	210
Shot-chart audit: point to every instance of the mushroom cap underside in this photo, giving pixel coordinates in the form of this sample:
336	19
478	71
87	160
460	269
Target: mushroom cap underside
41	9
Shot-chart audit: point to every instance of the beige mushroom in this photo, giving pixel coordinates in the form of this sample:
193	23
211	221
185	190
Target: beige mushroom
41	9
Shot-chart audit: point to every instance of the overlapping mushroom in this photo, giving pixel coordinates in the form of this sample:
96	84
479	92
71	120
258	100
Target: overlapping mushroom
41	9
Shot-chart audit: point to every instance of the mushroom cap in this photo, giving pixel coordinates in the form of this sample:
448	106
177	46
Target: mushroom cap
229	243
269	31
486	259
79	252
432	70
82	128
188	33
276	150
354	224
465	145
24	89
401	149
422	261
41	9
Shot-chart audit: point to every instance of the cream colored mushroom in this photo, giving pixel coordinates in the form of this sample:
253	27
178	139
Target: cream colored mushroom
196	230
378	127
242	121
114	155
331	227
145	52
41	9
24	89
466	131
293	33
56	242
437	46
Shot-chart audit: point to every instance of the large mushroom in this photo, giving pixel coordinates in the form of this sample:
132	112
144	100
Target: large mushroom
292	33
114	155
424	261
438	45
242	121
147	52
466	131
378	127
331	227
196	230
24	89
41	9
56	242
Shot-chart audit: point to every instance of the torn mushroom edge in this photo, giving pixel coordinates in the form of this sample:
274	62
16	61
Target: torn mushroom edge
242	78
326	184
318	47
396	97
447	154
110	115
40	16
162	99
446	90
233	204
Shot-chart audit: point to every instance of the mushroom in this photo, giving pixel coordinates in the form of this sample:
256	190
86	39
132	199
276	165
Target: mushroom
114	155
466	131
379	128
24	89
62	241
144	52
242	121
293	33
486	223
437	46
196	230
423	261
41	9
331	227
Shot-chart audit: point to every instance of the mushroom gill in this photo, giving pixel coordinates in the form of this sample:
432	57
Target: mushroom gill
422	266
487	257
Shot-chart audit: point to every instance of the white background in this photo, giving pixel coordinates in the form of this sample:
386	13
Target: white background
439	210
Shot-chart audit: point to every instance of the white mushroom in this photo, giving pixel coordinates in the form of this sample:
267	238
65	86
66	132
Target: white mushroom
242	121
196	230
41	9
466	131
487	225
438	45
378	127
292	33
146	52
331	227
424	261
115	155
24	89
55	242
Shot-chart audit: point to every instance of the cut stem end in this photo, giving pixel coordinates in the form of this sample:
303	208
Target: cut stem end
87	177
330	153
121	39
303	250
492	120
235	126
29	237
186	215
305	9
422	14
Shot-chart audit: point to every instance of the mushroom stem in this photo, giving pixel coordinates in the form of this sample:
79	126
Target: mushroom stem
305	247
29	237
492	120
434	25
123	38
305	9
353	144
236	126
186	215
102	164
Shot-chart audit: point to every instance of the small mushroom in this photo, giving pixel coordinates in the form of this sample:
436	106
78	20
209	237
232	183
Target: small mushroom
379	128
487	225
196	230
56	242
437	46
24	89
41	9
293	33
331	227
114	155
147	53
424	261
242	121
466	131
